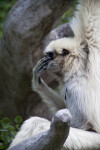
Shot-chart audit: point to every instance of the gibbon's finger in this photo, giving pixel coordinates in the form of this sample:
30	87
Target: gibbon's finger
36	76
41	68
43	60
42	65
39	80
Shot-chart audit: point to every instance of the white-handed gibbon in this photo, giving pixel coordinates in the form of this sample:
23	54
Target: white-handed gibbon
78	60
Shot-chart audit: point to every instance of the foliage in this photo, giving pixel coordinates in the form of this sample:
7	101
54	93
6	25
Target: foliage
8	130
5	6
68	14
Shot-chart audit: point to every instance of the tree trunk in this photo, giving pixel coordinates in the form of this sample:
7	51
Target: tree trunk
25	28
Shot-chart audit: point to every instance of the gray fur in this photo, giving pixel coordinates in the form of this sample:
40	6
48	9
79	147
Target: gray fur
73	90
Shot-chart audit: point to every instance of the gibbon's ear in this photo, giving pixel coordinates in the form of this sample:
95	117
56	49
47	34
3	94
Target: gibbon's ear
85	47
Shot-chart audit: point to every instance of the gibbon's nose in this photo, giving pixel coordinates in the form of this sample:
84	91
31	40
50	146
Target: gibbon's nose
51	55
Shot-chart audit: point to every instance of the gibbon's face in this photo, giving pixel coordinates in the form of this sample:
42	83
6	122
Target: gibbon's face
62	54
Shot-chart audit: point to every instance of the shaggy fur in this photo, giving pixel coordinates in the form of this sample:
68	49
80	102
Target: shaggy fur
80	69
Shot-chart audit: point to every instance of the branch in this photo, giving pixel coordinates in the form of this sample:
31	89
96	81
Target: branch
52	139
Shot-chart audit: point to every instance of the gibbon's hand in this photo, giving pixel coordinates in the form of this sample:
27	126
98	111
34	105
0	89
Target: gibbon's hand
41	65
52	99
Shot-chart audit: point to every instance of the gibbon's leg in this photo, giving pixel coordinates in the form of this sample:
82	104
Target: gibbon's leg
82	140
31	127
50	97
77	139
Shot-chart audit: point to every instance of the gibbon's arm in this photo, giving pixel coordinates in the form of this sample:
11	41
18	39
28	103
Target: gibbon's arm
86	27
49	96
82	140
86	23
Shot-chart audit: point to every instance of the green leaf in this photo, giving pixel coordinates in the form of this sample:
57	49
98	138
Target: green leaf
3	133
12	134
9	127
0	137
5	122
2	145
12	139
3	130
6	139
17	126
18	119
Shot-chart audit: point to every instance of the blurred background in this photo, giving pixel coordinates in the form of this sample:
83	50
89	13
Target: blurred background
10	121
6	5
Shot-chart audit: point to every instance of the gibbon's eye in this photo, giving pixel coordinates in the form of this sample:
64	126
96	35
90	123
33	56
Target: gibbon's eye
65	52
51	55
